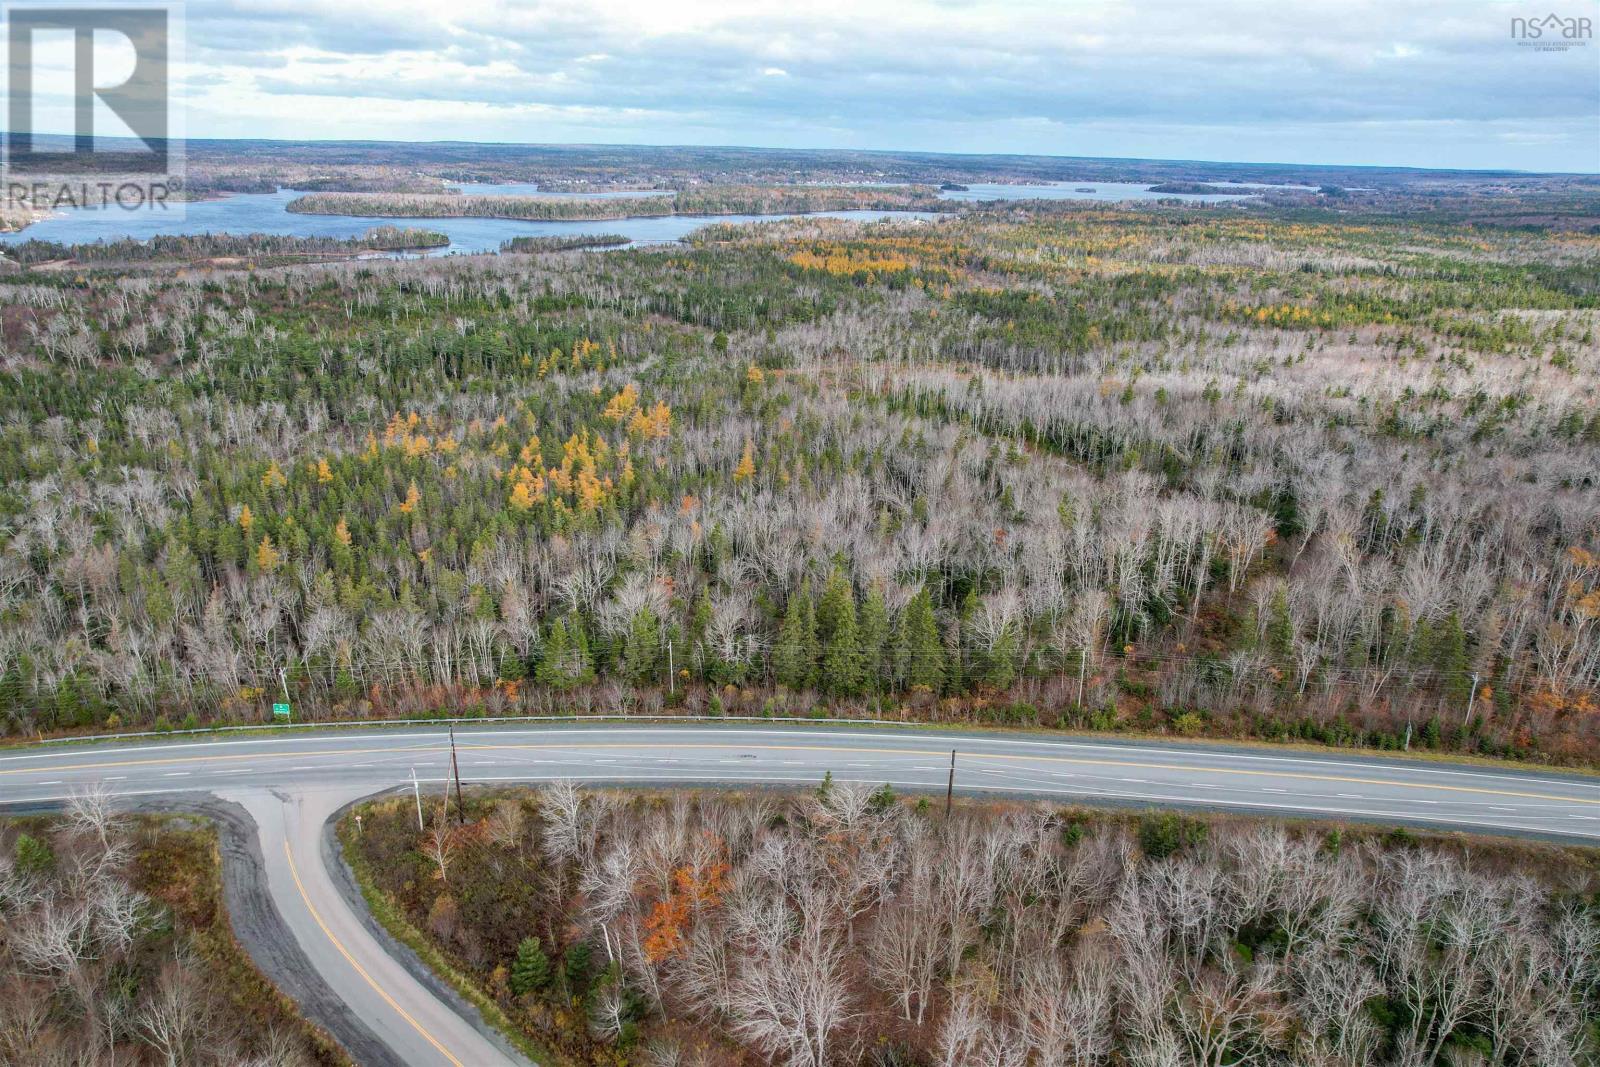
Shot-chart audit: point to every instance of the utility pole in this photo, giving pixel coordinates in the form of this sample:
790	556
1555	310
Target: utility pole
417	791
283	680
455	769
950	789
1083	668
1471	700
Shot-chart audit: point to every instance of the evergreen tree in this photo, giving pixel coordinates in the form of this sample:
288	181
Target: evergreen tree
1280	626
33	855
1450	660
873	639
557	650
641	649
919	651
566	662
576	966
512	668
13	692
794	659
531	970
966	654
582	672
344	685
998	665
699	625
837	632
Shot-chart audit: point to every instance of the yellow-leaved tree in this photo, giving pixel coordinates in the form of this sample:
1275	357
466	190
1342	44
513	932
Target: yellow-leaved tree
267	557
747	464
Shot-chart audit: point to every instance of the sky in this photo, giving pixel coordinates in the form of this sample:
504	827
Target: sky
1429	83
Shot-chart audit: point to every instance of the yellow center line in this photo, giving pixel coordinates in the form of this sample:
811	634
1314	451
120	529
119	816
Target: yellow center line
164	761
843	750
293	871
1080	761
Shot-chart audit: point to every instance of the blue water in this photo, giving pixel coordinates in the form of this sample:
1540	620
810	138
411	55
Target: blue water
1102	191
265	213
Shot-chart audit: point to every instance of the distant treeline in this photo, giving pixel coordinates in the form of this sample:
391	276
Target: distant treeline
207	245
213	184
711	200
565	244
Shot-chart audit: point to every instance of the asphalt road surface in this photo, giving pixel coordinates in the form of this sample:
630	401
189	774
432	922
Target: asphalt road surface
292	784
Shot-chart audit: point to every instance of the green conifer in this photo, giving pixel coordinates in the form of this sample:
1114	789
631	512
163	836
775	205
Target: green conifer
531	970
794	659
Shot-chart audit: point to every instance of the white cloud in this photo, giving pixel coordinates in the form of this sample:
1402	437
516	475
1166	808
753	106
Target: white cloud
1434	82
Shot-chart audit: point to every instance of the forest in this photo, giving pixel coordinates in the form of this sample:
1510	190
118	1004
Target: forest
115	948
420	167
1191	471
189	247
846	925
716	200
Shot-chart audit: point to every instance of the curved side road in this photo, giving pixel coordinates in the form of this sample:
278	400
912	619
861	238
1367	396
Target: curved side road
291	785
416	1025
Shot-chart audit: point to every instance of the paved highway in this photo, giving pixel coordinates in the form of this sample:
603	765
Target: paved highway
291	784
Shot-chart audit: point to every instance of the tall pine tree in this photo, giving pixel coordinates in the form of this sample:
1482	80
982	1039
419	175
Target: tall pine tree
918	650
794	659
641	649
566	662
873	639
837	633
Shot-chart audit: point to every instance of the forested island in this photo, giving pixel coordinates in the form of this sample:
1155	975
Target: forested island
189	247
1199	188
709	200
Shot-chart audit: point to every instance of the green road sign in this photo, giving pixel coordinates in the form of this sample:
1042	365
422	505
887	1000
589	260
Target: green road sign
280	711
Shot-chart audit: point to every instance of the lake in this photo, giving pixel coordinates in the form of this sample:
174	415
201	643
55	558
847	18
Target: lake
1104	191
267	213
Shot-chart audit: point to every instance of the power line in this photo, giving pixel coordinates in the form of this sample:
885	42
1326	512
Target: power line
957	655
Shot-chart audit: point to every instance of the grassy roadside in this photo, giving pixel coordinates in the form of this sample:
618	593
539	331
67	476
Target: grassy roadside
390	917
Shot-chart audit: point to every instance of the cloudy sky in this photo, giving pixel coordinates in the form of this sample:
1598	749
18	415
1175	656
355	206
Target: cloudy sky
1409	82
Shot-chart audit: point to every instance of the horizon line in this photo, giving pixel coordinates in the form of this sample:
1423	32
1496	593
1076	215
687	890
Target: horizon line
899	152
